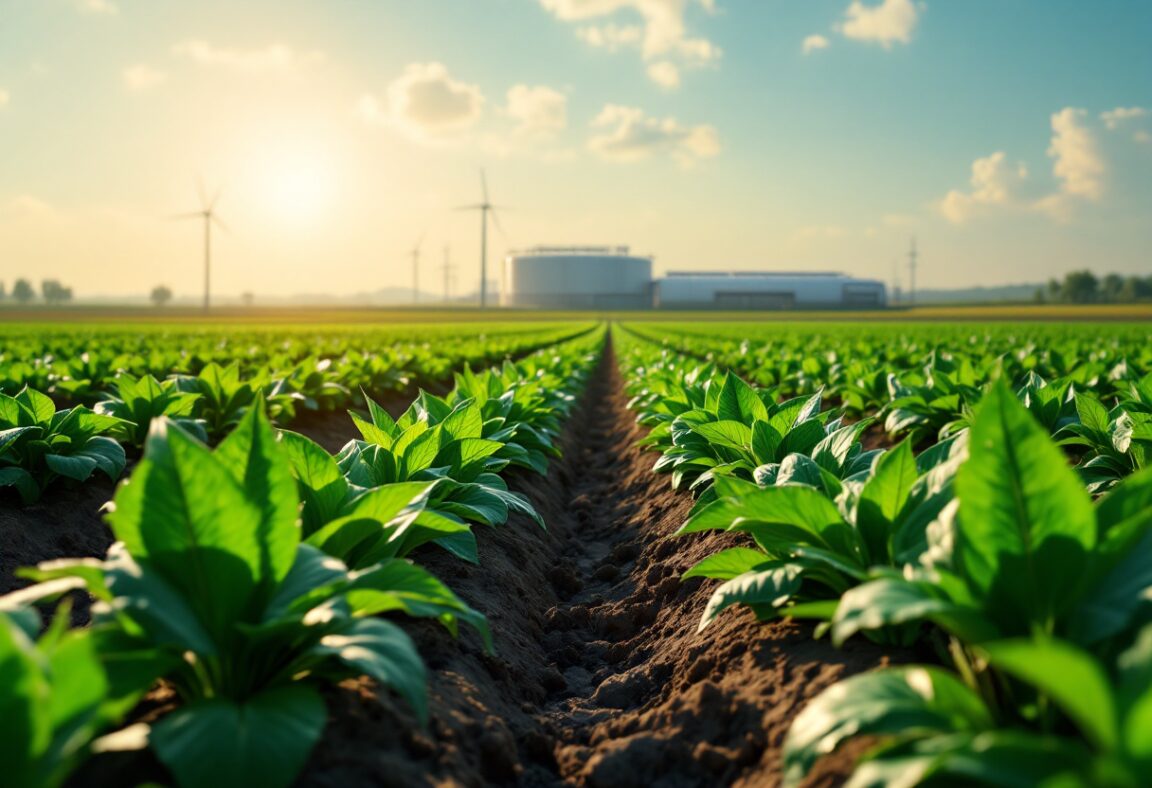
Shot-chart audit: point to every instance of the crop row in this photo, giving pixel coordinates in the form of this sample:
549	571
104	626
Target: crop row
247	577
985	549
206	388
1090	388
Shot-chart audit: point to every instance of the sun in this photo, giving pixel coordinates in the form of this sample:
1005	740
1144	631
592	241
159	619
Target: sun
297	185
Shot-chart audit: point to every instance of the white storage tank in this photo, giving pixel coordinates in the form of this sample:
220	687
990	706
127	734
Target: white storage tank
768	290
578	277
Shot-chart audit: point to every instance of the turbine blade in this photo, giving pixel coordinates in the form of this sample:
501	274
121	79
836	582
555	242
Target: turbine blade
190	215
201	191
476	207
499	227
220	223
216	197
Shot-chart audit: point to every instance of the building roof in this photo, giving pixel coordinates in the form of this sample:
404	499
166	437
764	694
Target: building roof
757	274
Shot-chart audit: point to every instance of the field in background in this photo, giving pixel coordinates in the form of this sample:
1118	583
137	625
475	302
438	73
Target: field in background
328	315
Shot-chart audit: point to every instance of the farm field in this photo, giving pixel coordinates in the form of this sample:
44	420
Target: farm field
572	551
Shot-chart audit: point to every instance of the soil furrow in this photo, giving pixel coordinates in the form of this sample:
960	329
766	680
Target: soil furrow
600	678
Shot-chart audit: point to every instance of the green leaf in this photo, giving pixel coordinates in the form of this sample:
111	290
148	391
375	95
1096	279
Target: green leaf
1135	697
22	481
891	601
764	590
765	442
738	401
72	467
1026	523
1070	677
39	406
255	459
186	513
263	741
802	439
397	584
323	487
882	500
24	695
383	651
727	564
733	434
107	453
915	700
774	515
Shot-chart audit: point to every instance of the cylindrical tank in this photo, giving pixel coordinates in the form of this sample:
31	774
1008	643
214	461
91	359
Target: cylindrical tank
578	277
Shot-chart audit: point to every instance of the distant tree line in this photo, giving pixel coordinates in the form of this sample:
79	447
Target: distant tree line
1084	287
51	290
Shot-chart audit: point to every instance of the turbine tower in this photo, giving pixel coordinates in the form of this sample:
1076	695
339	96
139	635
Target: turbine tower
447	268
207	213
912	257
415	252
484	207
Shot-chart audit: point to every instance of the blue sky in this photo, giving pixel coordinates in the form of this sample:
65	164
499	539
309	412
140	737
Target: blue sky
1012	137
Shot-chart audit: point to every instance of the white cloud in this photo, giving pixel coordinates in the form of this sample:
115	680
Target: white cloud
427	102
813	43
1077	160
610	36
97	7
995	182
627	134
663	38
539	111
1122	117
1078	166
5	97
274	57
142	77
664	74
1114	118
890	22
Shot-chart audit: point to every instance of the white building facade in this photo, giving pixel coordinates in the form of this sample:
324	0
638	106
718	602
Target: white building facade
758	290
611	277
578	277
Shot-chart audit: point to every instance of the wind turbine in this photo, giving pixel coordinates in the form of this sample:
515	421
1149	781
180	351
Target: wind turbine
484	207
207	212
415	252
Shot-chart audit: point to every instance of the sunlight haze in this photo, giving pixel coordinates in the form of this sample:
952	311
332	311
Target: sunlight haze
1013	138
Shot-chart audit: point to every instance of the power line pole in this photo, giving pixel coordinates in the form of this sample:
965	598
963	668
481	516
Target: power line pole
912	256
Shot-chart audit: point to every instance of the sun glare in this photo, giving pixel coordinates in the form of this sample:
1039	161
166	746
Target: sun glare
297	186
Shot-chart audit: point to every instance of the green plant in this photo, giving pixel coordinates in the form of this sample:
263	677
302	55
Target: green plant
810	549
1024	552
1073	722
210	579
39	444
434	441
140	400
362	526
54	700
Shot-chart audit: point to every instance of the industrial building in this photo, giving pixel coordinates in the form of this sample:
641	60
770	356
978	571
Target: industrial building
578	277
766	290
610	277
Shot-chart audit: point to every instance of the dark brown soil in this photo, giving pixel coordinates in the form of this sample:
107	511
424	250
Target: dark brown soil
65	523
600	678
